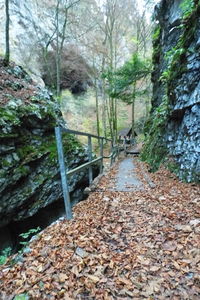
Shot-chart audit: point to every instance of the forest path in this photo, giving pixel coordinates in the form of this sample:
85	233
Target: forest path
126	178
139	244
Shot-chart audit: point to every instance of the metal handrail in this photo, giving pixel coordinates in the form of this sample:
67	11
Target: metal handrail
84	166
63	170
84	134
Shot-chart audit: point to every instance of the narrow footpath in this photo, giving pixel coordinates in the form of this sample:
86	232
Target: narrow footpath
126	180
137	236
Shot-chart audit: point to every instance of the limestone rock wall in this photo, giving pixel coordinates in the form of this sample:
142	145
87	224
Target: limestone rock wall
174	127
30	27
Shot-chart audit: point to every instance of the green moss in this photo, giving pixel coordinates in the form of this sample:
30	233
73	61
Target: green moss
8	116
176	58
20	171
156	33
155	151
187	7
70	144
25	150
156	44
5	163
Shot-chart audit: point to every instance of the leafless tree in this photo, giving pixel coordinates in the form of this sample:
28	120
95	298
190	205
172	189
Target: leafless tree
7	52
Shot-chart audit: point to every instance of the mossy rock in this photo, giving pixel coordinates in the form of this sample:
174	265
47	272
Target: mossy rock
30	177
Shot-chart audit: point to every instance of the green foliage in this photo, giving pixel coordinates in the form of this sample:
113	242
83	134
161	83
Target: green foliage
28	234
121	83
156	33
174	54
187	7
5	253
165	76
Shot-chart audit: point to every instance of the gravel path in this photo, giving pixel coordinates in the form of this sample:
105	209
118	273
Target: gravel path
126	180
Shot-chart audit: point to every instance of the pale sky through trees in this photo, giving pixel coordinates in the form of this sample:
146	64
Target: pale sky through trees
141	3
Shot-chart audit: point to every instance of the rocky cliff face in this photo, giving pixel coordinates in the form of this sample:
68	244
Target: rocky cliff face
28	29
174	127
29	171
33	43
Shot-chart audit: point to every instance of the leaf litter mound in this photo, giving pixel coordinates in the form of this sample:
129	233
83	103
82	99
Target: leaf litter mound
143	244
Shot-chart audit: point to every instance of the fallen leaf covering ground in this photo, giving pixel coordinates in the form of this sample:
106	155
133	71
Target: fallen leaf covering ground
15	85
120	245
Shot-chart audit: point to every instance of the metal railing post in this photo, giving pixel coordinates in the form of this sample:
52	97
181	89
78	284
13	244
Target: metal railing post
90	158
64	181
111	151
117	150
114	149
114	153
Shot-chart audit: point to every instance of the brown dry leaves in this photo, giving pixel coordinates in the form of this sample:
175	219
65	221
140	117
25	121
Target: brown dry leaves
140	245
14	87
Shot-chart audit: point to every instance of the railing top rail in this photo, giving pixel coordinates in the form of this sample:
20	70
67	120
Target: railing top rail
84	166
84	134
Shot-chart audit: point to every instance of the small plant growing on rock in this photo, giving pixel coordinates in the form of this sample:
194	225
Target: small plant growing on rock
5	253
26	235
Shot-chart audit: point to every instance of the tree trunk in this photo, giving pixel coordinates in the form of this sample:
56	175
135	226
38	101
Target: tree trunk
7	52
104	113
115	119
133	111
97	108
58	52
109	113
